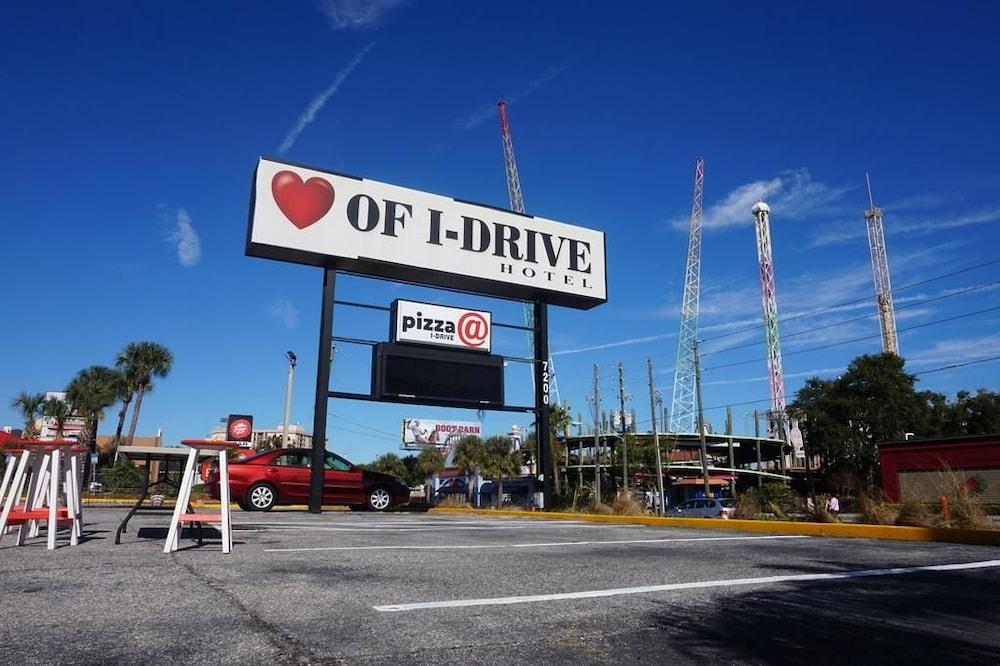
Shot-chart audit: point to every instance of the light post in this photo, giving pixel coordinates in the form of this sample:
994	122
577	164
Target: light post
290	355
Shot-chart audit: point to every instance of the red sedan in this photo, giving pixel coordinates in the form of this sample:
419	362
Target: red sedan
281	476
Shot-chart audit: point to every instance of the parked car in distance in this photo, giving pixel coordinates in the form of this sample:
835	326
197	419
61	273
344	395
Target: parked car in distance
706	508
281	476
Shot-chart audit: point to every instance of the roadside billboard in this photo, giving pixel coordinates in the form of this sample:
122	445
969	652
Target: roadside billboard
421	433
309	216
427	324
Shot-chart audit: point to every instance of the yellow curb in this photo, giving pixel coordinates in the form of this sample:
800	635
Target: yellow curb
839	530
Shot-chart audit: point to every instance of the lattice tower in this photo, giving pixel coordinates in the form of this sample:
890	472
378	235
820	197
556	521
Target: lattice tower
880	272
769	301
682	411
517	205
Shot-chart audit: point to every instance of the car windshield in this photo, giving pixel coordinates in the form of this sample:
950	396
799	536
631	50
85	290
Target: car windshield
729	503
337	463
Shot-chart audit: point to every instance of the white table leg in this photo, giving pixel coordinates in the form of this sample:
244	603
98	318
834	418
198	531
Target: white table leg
15	491
183	495
73	497
8	474
32	498
227	528
54	481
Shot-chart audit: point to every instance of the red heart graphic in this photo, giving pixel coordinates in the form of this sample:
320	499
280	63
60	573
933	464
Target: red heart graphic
302	203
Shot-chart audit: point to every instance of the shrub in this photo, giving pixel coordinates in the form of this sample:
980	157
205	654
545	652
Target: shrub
876	512
453	502
747	506
626	505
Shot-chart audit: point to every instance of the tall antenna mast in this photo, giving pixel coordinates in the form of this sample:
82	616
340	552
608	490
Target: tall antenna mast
769	302
517	205
682	412
880	273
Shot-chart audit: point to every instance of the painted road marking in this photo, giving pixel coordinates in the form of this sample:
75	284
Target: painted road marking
443	528
765	580
536	545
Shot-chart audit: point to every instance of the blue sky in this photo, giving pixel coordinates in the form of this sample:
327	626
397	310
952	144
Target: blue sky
130	131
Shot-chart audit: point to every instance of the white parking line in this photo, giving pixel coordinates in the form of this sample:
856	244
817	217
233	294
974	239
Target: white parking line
765	580
443	528
535	545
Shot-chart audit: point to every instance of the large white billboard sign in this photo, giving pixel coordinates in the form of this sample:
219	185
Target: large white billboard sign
428	324
309	216
420	433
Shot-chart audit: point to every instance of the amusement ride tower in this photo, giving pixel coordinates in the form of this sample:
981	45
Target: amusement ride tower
769	300
880	272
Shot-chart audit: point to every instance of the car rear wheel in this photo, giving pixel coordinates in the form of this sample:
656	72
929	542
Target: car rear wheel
379	499
261	497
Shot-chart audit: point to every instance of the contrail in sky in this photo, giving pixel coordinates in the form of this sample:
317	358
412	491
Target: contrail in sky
320	100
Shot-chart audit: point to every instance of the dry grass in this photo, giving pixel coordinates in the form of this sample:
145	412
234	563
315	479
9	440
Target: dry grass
876	512
601	509
747	506
626	505
911	512
453	502
965	508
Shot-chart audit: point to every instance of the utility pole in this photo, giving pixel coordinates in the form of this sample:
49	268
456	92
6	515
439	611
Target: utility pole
656	438
701	419
290	355
597	432
621	398
756	433
732	457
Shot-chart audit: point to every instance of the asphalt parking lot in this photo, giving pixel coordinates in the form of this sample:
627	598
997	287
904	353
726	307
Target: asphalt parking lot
431	588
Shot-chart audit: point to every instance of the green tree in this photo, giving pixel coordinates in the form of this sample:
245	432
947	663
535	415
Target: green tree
469	451
977	414
388	463
59	411
559	421
429	462
130	384
140	363
92	391
30	406
500	460
843	420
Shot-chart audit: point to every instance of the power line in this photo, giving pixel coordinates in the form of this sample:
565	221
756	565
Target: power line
857	300
384	433
861	339
841	322
958	365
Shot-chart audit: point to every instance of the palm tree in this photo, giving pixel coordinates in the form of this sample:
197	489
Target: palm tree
499	460
469	458
559	420
92	391
140	362
129	385
30	405
58	410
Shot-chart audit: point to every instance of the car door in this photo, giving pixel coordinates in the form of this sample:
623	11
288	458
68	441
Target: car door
343	482
289	473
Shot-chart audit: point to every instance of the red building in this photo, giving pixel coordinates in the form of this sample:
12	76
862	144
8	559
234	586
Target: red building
925	467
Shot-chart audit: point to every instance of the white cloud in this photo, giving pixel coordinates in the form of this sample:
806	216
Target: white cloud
895	226
615	343
358	15
486	111
316	105
185	240
763	378
791	194
284	312
955	350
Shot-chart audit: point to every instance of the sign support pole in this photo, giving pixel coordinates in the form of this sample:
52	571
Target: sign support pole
543	380
323	361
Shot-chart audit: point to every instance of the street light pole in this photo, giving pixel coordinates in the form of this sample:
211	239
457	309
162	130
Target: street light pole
290	355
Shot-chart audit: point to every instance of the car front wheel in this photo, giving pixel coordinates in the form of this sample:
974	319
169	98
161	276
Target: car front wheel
261	497
379	499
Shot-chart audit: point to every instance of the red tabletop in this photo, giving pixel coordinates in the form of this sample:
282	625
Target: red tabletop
47	443
211	444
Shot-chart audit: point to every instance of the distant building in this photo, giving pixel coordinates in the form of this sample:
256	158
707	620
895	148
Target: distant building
105	442
925	469
298	437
